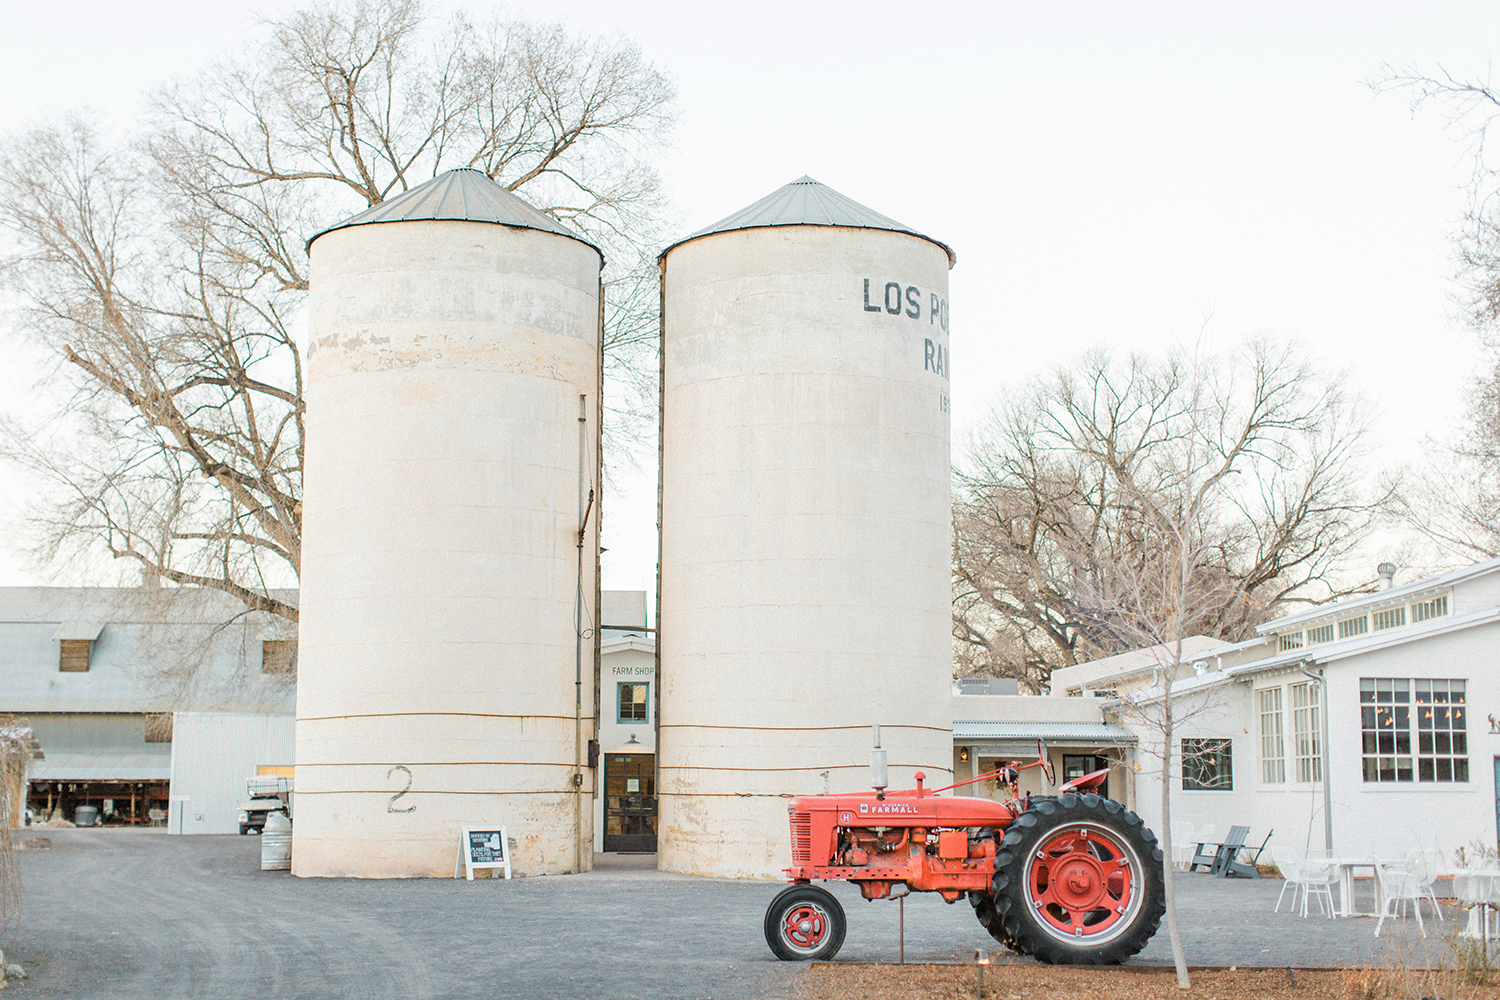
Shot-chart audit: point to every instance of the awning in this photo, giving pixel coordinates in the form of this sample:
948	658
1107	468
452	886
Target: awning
80	629
1018	738
103	767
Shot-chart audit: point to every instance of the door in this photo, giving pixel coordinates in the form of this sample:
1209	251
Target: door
630	803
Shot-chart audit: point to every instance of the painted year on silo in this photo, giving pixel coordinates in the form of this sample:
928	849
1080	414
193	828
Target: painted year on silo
805	520
452	415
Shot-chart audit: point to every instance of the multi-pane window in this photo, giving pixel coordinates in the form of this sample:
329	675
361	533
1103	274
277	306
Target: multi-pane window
1421	611
1442	734
633	702
1272	747
1351	627
1290	640
1390	618
1323	633
1386	714
1207	766
1306	736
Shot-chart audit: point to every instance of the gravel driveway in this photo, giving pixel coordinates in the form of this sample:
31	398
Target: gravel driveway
136	914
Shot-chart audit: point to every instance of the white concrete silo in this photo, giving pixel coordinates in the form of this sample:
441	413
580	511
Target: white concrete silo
453	380
805	519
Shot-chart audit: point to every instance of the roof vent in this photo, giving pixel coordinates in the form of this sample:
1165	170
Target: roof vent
1387	571
1200	667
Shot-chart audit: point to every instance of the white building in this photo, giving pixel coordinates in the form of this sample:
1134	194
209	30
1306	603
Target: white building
1406	764
102	674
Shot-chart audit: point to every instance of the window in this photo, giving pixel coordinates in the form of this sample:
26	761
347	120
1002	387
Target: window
1207	765
1442	736
1351	627
1272	749
1421	611
75	655
1290	640
633	702
1389	618
278	656
1306	733
159	728
1442	746
1323	633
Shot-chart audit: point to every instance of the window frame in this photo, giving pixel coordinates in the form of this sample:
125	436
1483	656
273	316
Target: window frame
1219	751
1272	765
1400	759
1307	732
644	704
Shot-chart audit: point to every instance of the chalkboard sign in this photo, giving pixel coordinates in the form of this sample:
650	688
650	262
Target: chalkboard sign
482	847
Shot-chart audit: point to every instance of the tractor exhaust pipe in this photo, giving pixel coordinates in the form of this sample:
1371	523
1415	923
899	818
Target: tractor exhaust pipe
878	777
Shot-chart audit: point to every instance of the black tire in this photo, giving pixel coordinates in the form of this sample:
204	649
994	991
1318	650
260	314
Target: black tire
1112	900
805	923
989	919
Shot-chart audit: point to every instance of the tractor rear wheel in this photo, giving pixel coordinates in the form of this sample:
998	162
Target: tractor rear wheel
984	909
1078	881
805	923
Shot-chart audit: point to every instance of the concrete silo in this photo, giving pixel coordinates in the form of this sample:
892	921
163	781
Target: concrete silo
453	380
805	521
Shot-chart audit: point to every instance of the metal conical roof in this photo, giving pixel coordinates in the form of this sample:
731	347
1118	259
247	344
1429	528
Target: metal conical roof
462	195
806	202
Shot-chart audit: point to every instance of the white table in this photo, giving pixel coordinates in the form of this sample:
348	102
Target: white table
1483	895
1346	868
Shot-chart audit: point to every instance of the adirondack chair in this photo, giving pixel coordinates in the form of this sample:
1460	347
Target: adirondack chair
1211	856
1231	865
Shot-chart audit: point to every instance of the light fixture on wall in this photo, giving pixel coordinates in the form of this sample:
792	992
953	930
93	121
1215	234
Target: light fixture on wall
963	754
632	741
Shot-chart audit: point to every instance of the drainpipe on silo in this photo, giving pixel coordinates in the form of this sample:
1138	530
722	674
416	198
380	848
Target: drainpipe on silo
584	506
1322	683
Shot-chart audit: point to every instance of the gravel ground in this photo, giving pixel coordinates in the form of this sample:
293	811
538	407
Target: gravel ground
137	914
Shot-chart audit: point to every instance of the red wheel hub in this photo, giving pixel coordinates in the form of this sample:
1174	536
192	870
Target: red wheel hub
1080	882
804	926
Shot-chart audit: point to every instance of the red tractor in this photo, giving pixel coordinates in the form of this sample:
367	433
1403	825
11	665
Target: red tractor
1068	879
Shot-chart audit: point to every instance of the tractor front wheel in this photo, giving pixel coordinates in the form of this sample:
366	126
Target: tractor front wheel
805	923
1078	881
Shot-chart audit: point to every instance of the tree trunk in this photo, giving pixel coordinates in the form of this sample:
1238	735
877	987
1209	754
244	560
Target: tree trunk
1179	958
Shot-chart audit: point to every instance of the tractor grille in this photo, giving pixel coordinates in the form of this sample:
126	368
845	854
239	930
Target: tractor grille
801	838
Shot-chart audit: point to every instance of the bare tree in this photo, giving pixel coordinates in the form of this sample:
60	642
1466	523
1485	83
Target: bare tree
1173	580
1452	500
166	269
1055	498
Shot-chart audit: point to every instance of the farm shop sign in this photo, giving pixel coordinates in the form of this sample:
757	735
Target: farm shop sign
632	671
910	301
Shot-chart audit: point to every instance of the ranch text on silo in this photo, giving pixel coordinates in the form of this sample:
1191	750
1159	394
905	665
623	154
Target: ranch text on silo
899	299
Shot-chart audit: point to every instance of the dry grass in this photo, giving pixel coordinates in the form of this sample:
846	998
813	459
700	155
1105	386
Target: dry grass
849	981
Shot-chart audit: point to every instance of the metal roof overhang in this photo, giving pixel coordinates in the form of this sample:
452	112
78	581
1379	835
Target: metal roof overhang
102	767
1019	738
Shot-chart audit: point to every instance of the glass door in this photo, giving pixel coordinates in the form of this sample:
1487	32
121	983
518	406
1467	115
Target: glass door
630	803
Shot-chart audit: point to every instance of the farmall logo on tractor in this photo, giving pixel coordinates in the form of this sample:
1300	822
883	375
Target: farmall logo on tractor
886	808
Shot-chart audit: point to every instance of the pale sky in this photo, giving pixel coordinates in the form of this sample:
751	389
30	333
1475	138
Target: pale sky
1108	173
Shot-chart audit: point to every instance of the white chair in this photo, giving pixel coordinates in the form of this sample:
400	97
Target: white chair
1308	873
1398	884
1289	862
1425	865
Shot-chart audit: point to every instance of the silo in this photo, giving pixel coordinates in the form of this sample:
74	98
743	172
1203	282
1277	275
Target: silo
805	521
453	378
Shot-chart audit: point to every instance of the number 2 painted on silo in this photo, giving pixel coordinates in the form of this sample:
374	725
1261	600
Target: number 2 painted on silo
391	805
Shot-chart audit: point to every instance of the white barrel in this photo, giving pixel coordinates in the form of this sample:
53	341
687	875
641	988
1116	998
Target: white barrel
805	520
276	844
452	418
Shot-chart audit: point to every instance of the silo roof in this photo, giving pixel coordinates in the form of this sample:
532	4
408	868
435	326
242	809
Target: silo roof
461	195
806	202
